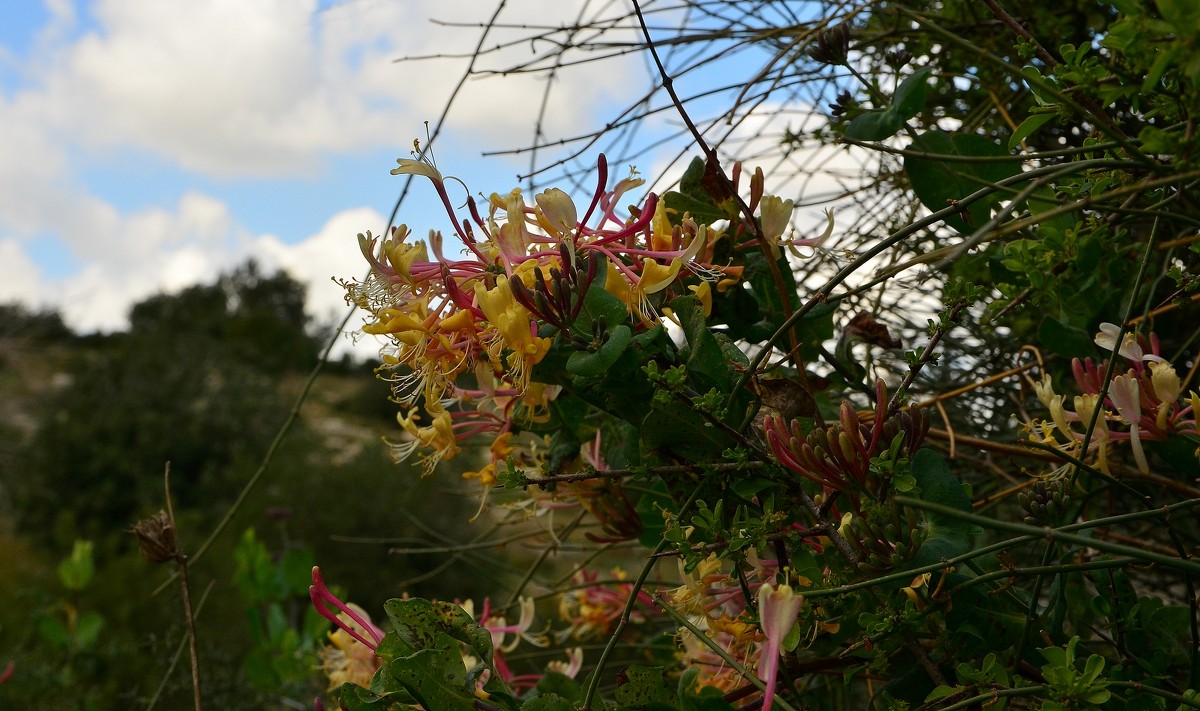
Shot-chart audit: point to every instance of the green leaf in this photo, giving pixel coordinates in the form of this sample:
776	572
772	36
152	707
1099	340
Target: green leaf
296	570
699	190
593	365
704	213
1165	59
77	570
547	702
436	679
941	692
644	688
650	509
748	486
258	670
874	125
947	536
910	95
1027	127
353	697
54	631
683	432
1037	84
422	624
1156	141
979	621
560	685
277	623
1180	452
1182	15
940	183
254	573
707	361
1064	339
907	102
815	328
425	653
1167	632
599	303
708	698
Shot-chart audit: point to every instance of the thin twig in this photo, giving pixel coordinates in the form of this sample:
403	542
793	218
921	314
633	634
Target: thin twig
622	473
181	560
162	685
1020	31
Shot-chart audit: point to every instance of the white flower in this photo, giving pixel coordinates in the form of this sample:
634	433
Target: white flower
411	166
1130	348
1126	396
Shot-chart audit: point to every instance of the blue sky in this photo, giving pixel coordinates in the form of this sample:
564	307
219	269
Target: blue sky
152	145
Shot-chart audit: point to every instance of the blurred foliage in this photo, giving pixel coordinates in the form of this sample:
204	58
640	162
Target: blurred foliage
202	379
195	381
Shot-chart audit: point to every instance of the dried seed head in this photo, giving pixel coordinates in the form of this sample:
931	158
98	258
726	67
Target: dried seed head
833	45
897	58
156	538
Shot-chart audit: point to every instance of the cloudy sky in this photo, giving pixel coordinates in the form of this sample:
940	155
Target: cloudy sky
148	146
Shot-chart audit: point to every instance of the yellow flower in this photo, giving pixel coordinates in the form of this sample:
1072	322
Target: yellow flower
1060	415
1165	382
437	437
401	255
1085	407
511	320
345	659
513	236
703	292
396	322
656	277
774	214
1044	389
616	284
500	450
556	212
661	232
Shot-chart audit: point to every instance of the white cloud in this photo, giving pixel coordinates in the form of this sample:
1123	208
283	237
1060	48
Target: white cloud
331	252
20	278
316	261
270	87
194	242
215	85
149	251
241	90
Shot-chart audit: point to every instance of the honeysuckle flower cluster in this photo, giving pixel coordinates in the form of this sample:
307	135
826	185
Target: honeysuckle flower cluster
507	636
1145	402
714	603
592	607
512	279
839	457
350	654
